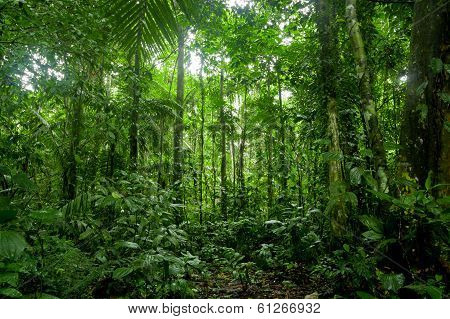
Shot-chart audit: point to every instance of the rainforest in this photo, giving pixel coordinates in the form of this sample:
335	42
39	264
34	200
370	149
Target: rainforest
224	149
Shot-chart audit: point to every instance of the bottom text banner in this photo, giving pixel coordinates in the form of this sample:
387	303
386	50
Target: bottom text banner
218	309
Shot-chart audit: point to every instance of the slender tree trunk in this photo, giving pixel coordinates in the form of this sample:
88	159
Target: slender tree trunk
161	180
299	185
70	184
328	57
241	174
134	118
202	141
192	161
367	105
111	158
233	163
179	128
214	168
223	166
284	172
112	140
424	138
297	152
269	144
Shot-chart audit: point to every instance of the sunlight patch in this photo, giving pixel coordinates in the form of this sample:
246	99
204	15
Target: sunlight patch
237	3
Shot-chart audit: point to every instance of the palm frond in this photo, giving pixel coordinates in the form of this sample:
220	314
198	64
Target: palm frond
147	26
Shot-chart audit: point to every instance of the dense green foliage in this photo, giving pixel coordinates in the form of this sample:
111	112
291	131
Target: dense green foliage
217	148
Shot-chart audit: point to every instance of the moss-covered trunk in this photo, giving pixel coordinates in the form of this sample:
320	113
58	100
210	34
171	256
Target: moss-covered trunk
329	60
367	105
425	137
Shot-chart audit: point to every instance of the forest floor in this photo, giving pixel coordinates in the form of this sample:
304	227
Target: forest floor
269	284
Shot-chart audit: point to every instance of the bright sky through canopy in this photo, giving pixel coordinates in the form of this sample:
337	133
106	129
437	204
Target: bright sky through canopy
237	3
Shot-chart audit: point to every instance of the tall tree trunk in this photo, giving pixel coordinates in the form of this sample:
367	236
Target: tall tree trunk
112	138
233	163
70	180
424	138
329	60
214	169
134	118
179	128
297	152
269	143
223	166
367	105
241	174
161	179
202	141
284	171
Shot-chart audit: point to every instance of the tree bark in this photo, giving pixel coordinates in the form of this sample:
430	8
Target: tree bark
367	104
214	169
223	166
134	118
424	138
202	141
284	171
241	174
329	60
161	179
269	145
71	173
179	128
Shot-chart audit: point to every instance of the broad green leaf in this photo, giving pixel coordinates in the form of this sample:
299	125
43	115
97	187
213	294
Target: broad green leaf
422	289
423	111
371	182
5	202
372	223
367	153
444	97
332	156
11	278
381	195
421	88
120	273
88	232
428	182
22	181
437	65
434	292
48	216
7	215
392	146
126	244
10	292
371	235
116	195
391	282
12	244
355	175
351	198
173	241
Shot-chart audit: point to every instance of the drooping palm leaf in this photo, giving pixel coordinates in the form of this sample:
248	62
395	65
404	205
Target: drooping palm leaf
144	26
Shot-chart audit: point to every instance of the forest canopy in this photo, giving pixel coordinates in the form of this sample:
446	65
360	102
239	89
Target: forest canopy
224	148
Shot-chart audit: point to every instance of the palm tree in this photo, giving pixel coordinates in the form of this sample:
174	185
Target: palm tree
142	28
147	26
